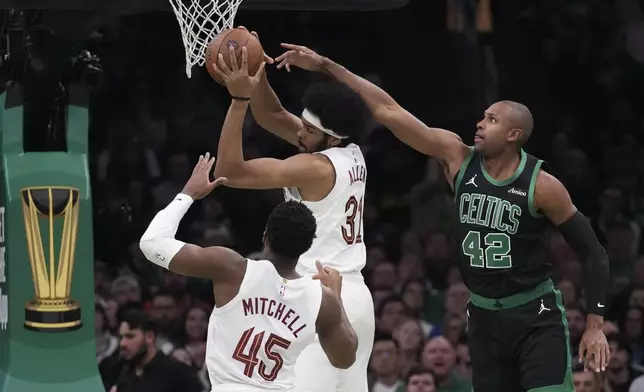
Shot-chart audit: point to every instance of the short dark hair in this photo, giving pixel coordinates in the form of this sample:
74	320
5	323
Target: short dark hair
388	300
127	307
416	370
290	229
578	368
620	340
163	292
384	337
138	319
338	107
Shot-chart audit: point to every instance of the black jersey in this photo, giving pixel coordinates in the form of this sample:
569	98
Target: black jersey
500	235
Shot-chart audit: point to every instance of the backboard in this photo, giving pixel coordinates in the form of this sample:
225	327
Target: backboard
129	6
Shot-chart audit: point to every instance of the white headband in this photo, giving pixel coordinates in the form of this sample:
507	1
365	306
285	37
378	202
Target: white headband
315	121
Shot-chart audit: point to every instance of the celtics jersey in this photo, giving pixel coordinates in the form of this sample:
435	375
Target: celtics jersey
500	235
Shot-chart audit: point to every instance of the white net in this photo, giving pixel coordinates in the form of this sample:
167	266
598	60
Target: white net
200	21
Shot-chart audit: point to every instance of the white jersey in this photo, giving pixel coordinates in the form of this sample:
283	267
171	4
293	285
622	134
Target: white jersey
254	340
338	243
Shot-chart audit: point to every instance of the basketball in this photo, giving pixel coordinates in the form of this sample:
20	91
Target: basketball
237	38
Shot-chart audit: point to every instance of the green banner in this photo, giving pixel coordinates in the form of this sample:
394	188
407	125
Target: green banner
46	260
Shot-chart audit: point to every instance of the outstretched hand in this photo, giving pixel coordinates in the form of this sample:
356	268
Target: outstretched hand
267	59
299	56
594	350
199	184
236	77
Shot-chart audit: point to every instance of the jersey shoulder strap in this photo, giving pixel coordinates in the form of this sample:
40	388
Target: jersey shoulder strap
536	165
458	178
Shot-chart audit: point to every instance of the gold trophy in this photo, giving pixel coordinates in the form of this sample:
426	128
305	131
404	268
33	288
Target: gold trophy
45	207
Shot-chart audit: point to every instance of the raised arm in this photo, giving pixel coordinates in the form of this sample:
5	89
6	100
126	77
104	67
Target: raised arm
444	145
337	337
263	173
268	110
160	247
271	115
552	199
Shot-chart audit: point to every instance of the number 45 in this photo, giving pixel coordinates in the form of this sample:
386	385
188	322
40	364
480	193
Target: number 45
496	252
251	361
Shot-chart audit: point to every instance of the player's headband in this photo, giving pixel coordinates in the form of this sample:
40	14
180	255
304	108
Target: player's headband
315	121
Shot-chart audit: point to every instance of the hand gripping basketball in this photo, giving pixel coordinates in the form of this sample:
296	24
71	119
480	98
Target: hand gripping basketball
301	57
236	78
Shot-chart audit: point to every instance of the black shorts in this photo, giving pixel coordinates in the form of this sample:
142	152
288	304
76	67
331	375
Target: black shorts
519	348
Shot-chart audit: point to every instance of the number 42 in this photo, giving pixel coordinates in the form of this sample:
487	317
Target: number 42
496	253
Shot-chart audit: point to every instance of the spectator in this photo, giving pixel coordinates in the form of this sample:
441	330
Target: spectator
463	365
384	276
384	363
576	317
413	294
420	379
619	372
569	292
409	337
164	312
126	289
390	314
439	357
141	367
631	326
106	343
589	381
195	330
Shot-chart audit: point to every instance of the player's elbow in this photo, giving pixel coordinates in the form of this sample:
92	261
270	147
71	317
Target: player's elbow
348	354
147	246
344	361
230	171
222	170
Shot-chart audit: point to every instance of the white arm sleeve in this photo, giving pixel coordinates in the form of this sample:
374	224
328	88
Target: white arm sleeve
158	243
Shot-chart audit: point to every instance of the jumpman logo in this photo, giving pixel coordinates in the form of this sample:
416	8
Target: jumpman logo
543	307
471	181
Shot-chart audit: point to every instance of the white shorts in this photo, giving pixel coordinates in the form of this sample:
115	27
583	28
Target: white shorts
314	373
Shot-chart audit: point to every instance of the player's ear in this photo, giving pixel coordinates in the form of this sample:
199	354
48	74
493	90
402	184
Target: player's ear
515	135
149	336
333	142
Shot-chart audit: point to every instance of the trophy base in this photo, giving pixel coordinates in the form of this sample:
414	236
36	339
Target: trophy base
62	317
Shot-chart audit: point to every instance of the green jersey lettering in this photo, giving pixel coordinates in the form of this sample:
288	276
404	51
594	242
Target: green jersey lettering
489	211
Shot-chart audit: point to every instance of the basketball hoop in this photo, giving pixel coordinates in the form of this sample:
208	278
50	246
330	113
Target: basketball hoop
200	21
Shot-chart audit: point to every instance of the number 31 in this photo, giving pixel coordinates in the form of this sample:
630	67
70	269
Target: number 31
353	208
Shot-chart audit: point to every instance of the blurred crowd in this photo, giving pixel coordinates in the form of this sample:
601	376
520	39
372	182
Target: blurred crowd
577	64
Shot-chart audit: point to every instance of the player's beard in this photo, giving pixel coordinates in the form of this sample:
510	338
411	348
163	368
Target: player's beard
138	356
319	146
